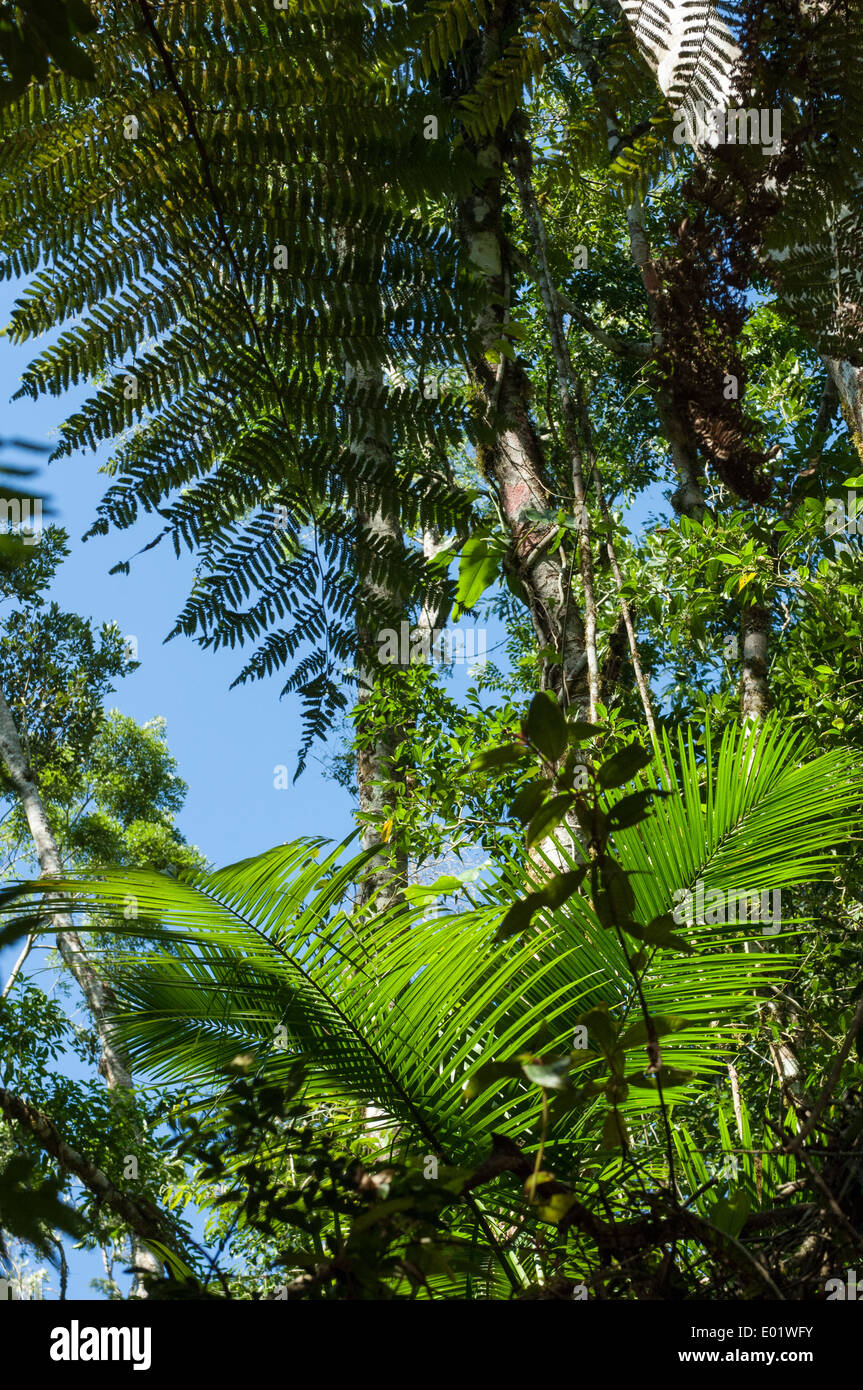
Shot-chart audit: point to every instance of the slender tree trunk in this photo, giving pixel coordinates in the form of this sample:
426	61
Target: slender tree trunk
755	705
142	1215
433	614
96	993
567	395
570	403
755	625
379	544
848	381
386	875
515	463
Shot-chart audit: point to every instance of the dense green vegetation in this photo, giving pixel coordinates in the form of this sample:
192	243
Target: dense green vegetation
447	317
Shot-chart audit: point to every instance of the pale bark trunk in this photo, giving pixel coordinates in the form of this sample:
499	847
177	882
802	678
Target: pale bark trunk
848	381
433	614
515	463
139	1214
755	625
96	993
378	534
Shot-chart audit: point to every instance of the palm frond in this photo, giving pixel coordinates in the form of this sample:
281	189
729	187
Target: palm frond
401	1011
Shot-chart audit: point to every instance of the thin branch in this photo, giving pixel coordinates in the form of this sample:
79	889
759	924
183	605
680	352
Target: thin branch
139	1213
621	347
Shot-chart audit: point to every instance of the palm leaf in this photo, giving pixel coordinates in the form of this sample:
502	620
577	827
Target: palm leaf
399	1011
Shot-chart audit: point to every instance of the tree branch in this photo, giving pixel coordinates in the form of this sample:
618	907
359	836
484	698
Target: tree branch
621	347
139	1213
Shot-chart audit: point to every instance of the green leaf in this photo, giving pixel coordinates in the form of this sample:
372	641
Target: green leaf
31	1205
515	586
623	766
669	1077
601	1025
614	1131
579	731
554	1076
518	917
614	900
631	809
729	1214
636	1036
71	58
503	756
488	1075
547	817
545	726
81	16
660	932
529	799
553	895
562	886
479	567
421	892
554	1209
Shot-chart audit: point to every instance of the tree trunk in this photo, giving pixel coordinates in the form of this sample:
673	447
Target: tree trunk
755	637
567	390
96	993
515	463
848	380
379	543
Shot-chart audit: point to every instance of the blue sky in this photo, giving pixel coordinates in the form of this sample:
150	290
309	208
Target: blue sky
226	742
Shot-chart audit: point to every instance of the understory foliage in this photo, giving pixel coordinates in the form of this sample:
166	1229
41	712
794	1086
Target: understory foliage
583	1018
